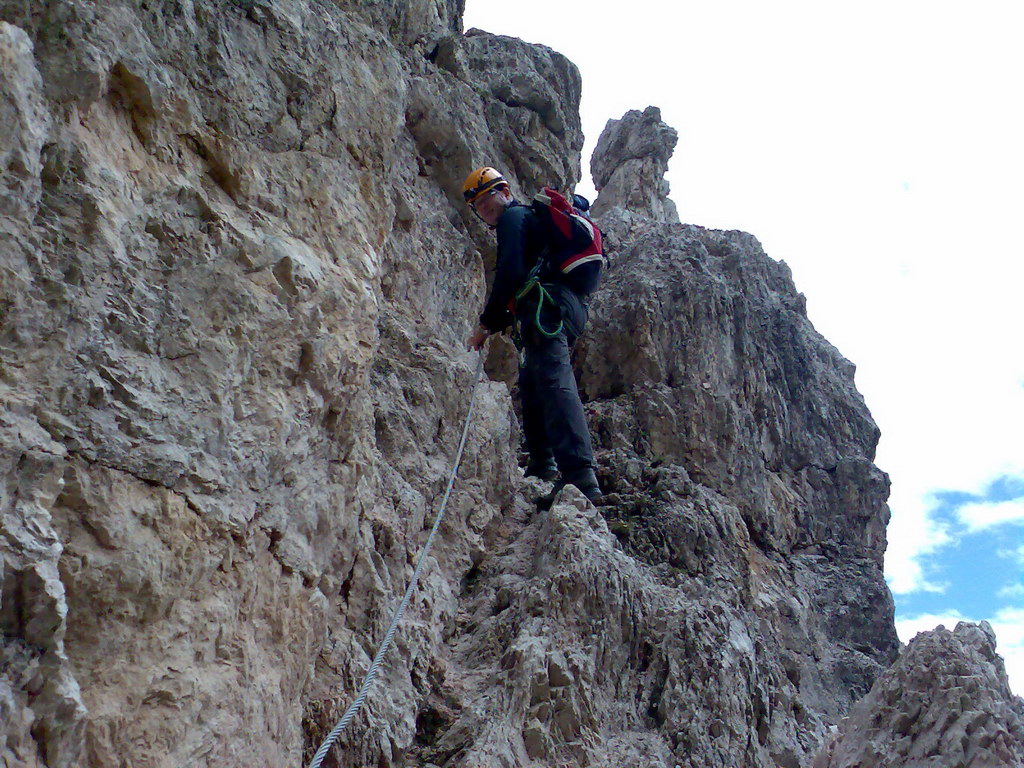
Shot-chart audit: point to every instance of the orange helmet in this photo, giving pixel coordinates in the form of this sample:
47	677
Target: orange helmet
480	182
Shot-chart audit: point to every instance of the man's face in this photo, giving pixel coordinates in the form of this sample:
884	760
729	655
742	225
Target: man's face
490	207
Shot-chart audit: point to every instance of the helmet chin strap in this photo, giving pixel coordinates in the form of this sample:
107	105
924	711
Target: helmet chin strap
489	225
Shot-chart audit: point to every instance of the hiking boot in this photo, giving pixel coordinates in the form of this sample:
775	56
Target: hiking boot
592	492
545	470
546	501
586	481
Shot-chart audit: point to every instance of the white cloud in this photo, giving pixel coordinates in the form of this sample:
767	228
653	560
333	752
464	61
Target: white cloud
1008	624
912	536
980	515
909	626
1011	591
1013	554
1009	627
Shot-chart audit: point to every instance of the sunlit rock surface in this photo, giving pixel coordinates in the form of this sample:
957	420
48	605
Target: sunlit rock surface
945	703
630	162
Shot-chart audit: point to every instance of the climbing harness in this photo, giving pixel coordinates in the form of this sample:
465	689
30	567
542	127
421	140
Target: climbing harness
533	282
372	673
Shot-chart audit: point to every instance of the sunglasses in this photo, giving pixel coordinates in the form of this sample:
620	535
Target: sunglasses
473	193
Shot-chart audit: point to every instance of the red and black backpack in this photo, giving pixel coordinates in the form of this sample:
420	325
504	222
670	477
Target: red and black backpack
575	256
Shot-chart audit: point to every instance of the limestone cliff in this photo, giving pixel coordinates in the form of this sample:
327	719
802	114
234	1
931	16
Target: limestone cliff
945	704
236	279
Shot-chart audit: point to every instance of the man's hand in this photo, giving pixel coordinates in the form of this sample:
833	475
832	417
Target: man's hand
476	341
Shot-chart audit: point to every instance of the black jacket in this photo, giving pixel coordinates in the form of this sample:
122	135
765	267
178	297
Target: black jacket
521	242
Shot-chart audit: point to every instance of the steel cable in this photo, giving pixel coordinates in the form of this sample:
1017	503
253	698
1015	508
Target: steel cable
332	737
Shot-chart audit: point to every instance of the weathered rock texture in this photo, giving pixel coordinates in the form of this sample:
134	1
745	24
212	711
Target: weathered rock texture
630	162
737	456
235	279
945	704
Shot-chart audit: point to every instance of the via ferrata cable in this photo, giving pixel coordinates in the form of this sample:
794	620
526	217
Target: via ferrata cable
397	618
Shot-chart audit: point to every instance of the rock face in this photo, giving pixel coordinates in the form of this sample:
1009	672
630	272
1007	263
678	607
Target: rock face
630	162
945	703
737	454
236	279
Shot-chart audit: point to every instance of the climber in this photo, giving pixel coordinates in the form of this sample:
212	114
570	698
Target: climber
554	424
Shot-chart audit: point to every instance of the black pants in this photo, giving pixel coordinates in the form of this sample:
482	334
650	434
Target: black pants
553	420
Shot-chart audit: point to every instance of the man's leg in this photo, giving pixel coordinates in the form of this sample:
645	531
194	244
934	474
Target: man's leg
542	460
565	424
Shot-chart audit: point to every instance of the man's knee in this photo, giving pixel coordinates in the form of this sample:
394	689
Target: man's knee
545	351
553	373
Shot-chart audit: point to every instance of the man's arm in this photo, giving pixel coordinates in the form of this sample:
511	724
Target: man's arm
513	242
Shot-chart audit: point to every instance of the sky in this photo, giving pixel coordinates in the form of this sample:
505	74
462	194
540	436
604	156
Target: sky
878	149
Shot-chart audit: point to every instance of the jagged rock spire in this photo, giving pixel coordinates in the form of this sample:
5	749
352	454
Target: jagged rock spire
945	703
630	162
